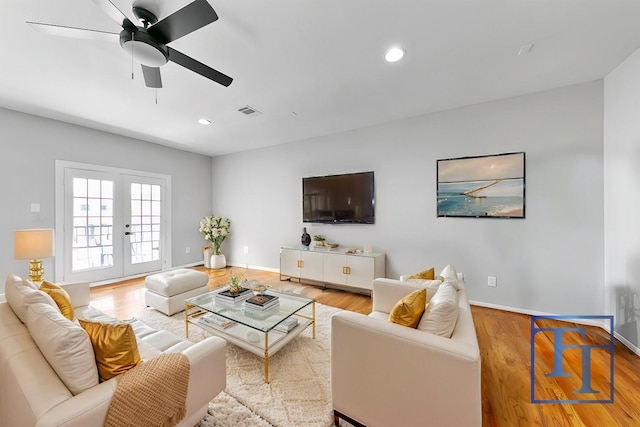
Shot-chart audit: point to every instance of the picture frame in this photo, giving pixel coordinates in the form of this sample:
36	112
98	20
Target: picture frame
489	186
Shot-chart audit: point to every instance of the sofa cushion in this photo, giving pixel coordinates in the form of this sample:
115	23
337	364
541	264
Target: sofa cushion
21	293
449	274
408	310
115	347
441	314
428	274
65	345
430	285
60	297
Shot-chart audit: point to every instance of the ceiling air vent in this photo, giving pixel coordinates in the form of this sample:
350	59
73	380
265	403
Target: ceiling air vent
249	111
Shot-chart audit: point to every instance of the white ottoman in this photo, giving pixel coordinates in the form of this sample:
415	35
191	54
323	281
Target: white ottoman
167	291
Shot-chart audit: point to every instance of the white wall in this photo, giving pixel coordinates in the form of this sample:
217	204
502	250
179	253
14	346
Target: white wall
552	261
30	146
622	196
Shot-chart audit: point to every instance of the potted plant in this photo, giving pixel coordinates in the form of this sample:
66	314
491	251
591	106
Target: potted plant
215	230
318	240
235	283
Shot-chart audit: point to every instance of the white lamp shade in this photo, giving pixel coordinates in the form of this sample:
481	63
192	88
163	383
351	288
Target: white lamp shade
33	244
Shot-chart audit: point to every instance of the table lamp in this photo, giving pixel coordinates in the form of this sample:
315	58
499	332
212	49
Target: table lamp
34	245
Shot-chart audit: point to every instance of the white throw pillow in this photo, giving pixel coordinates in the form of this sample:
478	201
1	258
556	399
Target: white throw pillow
65	345
21	293
430	285
450	274
442	312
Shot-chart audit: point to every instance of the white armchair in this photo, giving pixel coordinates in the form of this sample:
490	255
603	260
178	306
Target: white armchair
384	374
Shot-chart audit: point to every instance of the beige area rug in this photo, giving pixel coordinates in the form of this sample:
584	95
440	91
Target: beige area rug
225	411
299	392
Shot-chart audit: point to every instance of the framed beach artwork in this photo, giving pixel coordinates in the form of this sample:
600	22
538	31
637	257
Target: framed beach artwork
482	186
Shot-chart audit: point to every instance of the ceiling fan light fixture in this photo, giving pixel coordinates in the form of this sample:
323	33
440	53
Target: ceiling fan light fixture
204	122
144	48
394	54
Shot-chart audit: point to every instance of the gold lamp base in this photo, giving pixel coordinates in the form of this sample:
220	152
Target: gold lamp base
36	270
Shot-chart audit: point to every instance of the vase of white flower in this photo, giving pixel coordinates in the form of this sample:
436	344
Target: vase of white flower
215	230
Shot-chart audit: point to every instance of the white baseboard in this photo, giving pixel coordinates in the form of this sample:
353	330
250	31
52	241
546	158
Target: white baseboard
256	267
602	325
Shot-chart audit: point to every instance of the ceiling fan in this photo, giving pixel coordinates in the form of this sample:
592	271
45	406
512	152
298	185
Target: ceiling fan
148	43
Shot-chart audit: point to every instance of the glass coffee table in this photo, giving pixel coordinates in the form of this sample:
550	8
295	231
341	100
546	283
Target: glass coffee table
261	333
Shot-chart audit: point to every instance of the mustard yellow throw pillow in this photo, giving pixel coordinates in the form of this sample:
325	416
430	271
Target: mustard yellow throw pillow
114	345
424	275
61	298
409	310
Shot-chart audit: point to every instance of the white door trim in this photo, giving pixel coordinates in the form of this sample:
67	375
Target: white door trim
60	166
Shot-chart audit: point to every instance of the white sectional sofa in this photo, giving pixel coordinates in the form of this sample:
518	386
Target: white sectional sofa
32	393
384	374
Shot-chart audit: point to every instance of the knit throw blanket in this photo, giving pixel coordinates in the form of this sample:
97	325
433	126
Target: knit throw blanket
153	393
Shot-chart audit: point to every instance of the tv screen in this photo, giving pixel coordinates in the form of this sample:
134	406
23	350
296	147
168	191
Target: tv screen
346	198
482	186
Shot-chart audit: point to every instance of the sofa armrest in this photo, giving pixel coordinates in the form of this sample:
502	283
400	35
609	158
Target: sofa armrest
386	374
387	292
208	374
207	378
79	292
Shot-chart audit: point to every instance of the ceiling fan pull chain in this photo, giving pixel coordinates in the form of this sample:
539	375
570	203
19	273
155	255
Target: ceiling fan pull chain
156	96
132	37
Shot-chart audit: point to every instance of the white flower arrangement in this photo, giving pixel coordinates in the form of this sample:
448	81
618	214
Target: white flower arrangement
215	230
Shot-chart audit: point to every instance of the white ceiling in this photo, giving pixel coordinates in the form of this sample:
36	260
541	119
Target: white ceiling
312	67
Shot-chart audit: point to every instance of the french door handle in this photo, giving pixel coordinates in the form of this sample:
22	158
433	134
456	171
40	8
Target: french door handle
126	233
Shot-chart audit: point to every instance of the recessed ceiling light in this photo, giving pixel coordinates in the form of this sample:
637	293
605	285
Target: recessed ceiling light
204	121
394	54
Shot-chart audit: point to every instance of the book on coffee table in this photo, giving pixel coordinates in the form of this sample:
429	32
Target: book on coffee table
262	302
215	320
287	325
234	298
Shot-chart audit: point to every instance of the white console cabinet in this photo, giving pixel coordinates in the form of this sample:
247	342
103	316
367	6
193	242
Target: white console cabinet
332	266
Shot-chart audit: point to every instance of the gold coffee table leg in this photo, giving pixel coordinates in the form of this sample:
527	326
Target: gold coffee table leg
186	319
266	357
313	321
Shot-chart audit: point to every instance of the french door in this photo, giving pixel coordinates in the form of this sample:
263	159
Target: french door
114	224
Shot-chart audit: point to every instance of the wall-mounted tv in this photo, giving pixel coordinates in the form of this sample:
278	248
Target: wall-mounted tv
482	187
339	199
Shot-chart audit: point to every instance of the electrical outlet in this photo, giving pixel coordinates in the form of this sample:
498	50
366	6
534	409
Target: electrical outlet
492	281
187	250
245	249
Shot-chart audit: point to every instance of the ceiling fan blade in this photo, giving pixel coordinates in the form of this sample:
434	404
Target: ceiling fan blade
152	76
114	13
198	67
75	32
186	20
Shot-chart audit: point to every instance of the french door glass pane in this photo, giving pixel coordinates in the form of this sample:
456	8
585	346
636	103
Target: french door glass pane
92	224
145	220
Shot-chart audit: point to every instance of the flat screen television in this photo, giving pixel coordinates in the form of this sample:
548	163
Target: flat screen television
339	199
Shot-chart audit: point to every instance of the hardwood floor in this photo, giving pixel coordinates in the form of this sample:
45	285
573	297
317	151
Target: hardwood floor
504	340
